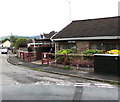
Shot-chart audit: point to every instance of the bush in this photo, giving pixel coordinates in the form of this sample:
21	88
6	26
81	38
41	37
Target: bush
66	51
92	51
68	67
113	52
60	59
30	49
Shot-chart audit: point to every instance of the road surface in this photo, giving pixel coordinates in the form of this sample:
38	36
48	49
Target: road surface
20	83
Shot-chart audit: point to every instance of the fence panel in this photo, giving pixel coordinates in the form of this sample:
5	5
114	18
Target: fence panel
27	56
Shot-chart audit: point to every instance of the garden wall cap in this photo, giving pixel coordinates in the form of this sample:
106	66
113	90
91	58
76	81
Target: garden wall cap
106	55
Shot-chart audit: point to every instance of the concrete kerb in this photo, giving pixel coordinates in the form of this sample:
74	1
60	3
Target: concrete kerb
87	78
11	62
71	75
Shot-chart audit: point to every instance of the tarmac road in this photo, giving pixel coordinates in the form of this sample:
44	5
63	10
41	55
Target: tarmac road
19	83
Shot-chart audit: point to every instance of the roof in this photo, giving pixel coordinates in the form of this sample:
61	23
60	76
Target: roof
90	28
22	45
50	34
46	39
6	44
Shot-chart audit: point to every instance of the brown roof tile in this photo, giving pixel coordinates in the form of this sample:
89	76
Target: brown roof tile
90	28
49	35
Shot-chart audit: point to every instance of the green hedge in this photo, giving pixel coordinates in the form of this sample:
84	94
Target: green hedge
66	51
92	51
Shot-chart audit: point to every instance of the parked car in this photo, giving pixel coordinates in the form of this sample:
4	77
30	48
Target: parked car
4	50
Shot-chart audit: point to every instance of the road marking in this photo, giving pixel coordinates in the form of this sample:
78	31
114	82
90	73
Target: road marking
104	85
83	84
62	83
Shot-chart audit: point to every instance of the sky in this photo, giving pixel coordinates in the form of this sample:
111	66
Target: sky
34	17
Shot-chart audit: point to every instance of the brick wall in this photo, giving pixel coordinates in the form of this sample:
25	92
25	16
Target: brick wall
82	45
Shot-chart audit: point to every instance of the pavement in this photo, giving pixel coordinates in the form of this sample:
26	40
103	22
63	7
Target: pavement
112	79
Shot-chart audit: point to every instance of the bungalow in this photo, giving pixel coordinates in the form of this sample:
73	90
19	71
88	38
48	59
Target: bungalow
6	44
99	33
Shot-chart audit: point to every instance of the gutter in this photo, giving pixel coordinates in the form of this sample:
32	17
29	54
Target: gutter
88	38
51	38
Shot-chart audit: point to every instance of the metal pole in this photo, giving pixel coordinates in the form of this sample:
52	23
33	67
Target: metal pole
69	2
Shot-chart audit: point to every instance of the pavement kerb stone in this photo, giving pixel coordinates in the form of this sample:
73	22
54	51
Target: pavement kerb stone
88	78
71	75
11	62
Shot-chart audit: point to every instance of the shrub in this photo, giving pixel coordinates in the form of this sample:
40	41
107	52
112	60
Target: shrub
92	51
113	52
60	58
68	67
30	49
66	51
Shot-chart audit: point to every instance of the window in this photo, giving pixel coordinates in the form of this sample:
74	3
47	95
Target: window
110	46
68	45
105	46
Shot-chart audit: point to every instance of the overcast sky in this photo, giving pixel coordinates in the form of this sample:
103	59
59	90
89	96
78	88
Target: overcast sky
33	17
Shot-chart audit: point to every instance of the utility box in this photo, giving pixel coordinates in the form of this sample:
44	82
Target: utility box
107	63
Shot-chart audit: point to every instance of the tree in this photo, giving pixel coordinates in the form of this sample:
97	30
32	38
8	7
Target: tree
20	41
13	40
5	40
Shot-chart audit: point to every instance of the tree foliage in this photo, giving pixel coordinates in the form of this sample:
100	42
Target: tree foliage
5	40
13	40
20	41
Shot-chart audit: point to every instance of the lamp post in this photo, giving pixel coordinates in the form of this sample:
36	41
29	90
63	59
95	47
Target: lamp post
69	2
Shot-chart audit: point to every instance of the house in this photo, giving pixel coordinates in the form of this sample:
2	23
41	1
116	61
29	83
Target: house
45	44
50	35
45	41
22	47
6	44
102	33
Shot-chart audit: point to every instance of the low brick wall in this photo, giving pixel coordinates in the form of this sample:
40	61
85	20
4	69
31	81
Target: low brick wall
74	60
